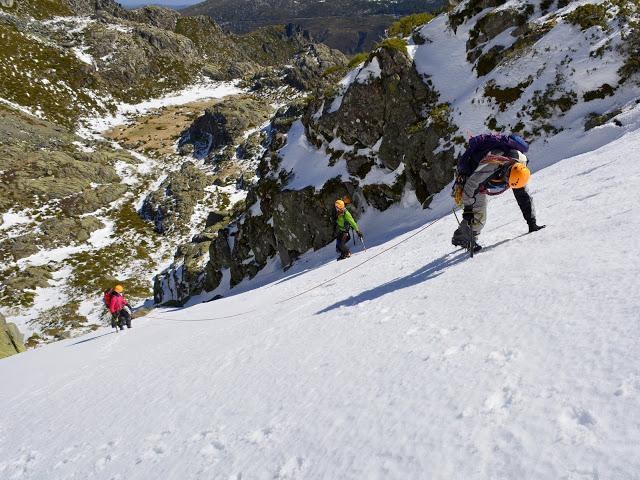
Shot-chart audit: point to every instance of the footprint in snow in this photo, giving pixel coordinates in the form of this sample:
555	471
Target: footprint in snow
292	469
578	425
499	400
501	357
212	450
156	447
21	466
101	463
259	436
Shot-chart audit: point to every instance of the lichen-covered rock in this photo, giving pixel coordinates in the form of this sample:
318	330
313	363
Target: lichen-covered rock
159	17
11	340
395	111
53	233
185	277
307	70
170	207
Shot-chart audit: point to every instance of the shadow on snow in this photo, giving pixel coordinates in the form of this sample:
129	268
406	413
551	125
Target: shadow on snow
426	272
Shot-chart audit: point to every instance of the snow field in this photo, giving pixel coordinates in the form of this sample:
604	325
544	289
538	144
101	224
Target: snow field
421	363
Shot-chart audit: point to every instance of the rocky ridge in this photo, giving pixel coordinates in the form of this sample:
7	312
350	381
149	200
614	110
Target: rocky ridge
351	26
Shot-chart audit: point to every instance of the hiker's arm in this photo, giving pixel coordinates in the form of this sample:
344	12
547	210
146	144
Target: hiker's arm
525	202
352	222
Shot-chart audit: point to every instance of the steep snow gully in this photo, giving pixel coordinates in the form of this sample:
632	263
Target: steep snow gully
521	363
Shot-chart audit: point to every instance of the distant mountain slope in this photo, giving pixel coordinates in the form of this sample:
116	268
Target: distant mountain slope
349	25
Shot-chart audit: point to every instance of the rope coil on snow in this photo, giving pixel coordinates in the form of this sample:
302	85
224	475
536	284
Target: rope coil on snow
309	289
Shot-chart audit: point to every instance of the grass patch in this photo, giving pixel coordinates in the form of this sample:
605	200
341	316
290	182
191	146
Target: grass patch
505	96
604	91
631	48
62	96
95	271
587	16
357	59
398	44
39	9
408	24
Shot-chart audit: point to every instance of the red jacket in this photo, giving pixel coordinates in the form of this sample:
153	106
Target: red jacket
115	301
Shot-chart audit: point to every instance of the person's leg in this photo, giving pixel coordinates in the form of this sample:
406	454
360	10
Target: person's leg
126	317
343	239
479	213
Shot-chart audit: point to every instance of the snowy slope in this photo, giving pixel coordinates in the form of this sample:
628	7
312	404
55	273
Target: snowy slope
563	61
520	363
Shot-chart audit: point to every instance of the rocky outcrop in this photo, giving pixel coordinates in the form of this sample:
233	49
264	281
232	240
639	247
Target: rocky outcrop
140	60
394	117
91	7
186	275
271	226
159	17
170	207
307	70
223	125
53	233
11	340
489	27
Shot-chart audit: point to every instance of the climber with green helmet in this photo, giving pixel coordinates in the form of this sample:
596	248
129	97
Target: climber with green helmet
345	223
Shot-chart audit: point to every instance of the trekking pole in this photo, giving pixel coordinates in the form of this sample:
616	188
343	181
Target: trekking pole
455	215
363	245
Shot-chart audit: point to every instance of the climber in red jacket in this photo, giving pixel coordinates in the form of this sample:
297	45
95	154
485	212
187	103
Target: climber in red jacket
120	310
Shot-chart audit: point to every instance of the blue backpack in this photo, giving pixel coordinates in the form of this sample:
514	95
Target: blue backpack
480	145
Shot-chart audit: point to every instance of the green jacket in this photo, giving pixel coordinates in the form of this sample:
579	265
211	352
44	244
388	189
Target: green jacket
349	219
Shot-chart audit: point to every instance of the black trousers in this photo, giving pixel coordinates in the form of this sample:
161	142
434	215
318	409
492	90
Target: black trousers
341	243
121	318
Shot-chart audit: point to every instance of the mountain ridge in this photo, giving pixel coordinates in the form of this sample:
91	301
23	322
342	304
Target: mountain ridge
352	26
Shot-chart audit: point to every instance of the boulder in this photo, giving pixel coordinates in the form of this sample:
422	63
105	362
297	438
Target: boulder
11	340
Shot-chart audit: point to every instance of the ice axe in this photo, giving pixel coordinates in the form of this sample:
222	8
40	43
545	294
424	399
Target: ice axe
362	241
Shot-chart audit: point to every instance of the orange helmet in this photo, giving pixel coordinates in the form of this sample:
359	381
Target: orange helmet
339	204
519	175
118	288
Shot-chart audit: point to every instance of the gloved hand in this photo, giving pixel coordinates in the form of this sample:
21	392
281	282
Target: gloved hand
456	191
457	195
534	227
359	234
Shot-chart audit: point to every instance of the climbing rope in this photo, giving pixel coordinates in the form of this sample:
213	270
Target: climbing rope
418	232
